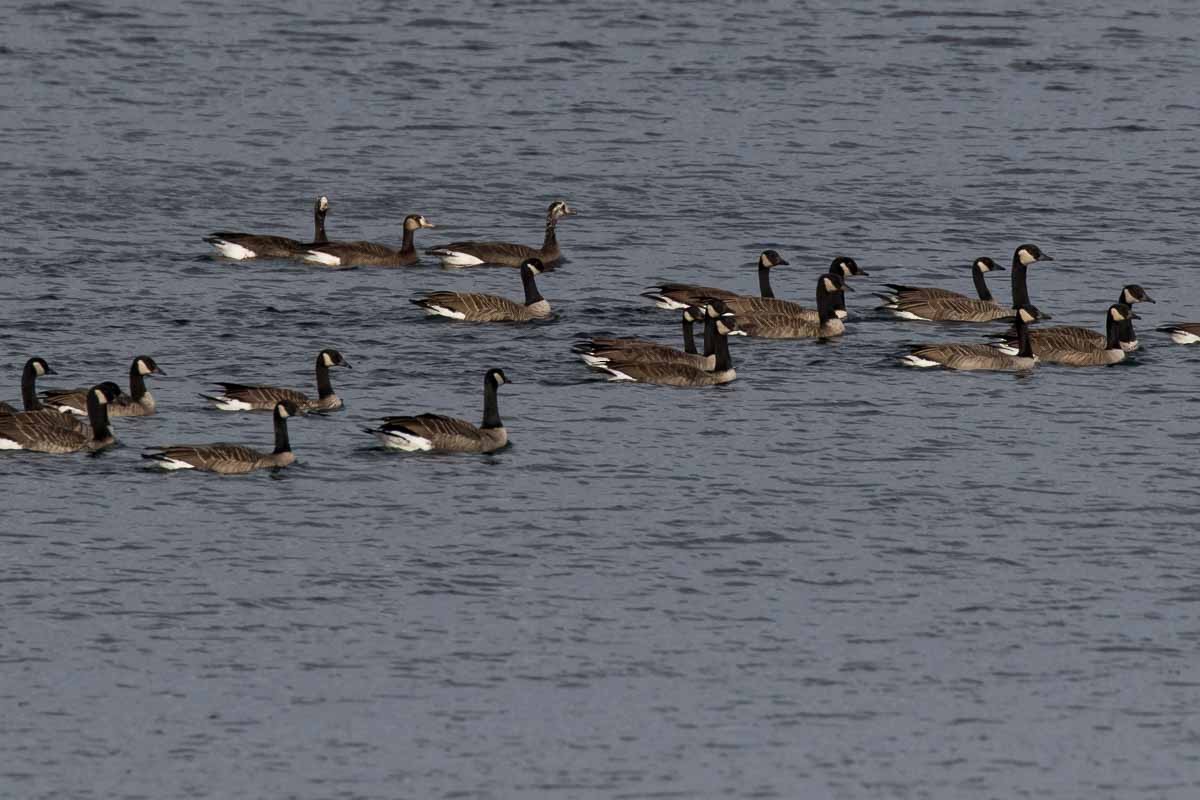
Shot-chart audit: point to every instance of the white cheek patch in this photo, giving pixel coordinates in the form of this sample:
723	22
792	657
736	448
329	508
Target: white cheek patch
143	368
327	359
1026	257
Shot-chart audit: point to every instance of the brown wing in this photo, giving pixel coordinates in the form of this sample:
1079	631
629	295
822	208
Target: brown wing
445	433
71	398
1077	357
45	431
227	459
691	294
263	398
665	374
953	309
921	292
781	326
351	251
1185	327
478	307
263	246
491	252
6	408
968	356
770	305
650	355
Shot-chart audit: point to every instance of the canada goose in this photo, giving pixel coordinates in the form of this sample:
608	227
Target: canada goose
905	293
679	374
437	432
48	431
1074	337
1023	256
242	397
489	307
979	356
471	254
1067	349
681	295
800	325
1183	332
138	403
842	265
34	369
600	352
369	254
241	246
231	459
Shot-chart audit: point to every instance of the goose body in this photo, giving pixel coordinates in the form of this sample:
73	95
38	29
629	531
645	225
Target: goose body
674	373
256	397
242	246
49	431
1183	332
34	368
931	303
138	403
800	324
370	254
673	296
769	304
1066	350
1074	337
471	254
437	432
475	307
598	352
978	356
230	459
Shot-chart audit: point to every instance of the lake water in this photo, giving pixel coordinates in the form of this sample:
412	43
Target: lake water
834	578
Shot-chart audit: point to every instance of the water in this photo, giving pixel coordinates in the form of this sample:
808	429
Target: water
833	578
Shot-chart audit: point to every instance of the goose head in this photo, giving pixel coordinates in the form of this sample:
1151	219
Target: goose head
414	221
770	258
559	208
532	266
145	365
846	266
322	204
332	358
985	264
105	393
693	314
715	308
1027	254
39	366
285	409
496	377
1133	293
727	324
1119	312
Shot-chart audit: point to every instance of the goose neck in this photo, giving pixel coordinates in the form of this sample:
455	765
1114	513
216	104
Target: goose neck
407	248
1020	287
98	416
282	443
137	382
723	360
29	398
532	295
689	336
319	236
491	406
324	385
981	287
764	282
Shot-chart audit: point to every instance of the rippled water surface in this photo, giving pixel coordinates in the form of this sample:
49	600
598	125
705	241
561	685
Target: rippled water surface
834	578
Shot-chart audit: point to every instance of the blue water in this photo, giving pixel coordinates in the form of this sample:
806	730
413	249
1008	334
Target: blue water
833	578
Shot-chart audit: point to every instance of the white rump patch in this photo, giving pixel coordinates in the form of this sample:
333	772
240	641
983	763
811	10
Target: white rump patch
9	444
223	403
913	360
400	440
317	257
453	258
442	311
234	251
1183	337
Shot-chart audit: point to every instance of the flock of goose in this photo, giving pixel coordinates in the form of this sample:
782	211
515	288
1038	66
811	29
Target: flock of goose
67	421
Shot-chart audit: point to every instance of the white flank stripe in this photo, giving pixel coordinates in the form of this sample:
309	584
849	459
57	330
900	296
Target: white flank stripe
440	311
224	403
317	257
1183	337
914	361
234	251
451	258
906	315
669	304
399	440
593	361
617	375
171	463
9	444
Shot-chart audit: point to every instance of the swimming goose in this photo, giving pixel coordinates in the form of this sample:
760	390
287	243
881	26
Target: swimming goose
34	369
437	432
242	397
678	374
1183	332
1023	256
909	302
979	356
231	459
599	352
471	254
138	403
370	254
1074	337
48	431
475	307
842	265
1065	349
681	295
241	246
800	325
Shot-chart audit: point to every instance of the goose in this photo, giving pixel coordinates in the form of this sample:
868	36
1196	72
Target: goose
979	356
680	374
48	431
231	459
599	352
914	295
369	254
489	307
673	296
1078	338
241	246
35	368
472	254
842	265
437	432
138	403
1068	350
1183	332
242	397
800	325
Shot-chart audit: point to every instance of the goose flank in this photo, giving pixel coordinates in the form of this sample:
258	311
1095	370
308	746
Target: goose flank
979	356
370	254
474	307
231	459
256	397
438	432
242	246
506	254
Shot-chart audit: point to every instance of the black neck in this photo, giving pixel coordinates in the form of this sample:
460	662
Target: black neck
710	335
1127	333
137	382
491	409
1020	290
764	281
551	240
724	362
282	443
324	387
1116	330
689	337
98	416
29	398
826	302
406	247
985	294
1024	343
319	236
532	295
